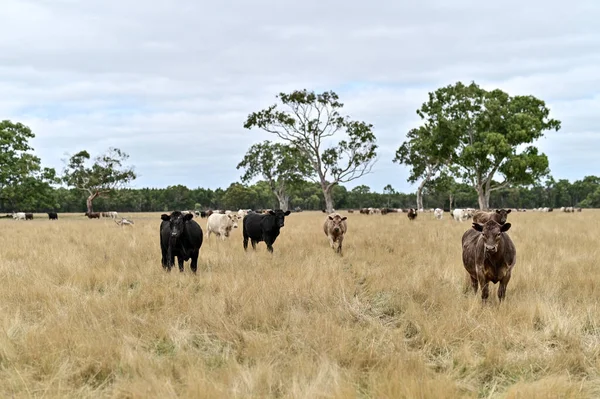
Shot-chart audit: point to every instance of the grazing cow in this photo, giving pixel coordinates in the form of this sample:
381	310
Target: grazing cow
412	214
52	215
92	215
221	225
499	215
182	237
350	210
438	213
578	209
264	227
488	255
19	216
29	216
335	228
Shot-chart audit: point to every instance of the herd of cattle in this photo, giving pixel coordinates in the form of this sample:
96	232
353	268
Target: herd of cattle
488	253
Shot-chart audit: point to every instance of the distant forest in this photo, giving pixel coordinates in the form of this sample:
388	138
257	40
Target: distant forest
584	193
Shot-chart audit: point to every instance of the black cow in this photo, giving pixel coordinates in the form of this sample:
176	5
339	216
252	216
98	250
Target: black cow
52	215
182	237
29	216
263	227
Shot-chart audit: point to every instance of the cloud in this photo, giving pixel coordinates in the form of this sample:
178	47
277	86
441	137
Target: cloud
172	83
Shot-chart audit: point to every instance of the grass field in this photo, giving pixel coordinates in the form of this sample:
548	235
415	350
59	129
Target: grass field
87	311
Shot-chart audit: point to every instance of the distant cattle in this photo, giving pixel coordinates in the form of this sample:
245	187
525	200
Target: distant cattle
488	254
335	227
19	216
242	212
182	237
29	216
52	215
438	213
221	225
124	222
92	215
578	209
499	215
460	215
412	214
266	227
350	210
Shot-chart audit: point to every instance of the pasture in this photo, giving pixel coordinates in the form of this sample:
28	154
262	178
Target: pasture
87	311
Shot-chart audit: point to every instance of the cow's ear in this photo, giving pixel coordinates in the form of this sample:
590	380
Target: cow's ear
188	216
165	217
271	213
330	217
508	211
345	217
497	210
477	227
286	213
505	227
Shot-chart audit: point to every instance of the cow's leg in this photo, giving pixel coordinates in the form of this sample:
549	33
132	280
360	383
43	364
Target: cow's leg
502	287
474	283
339	248
180	261
170	259
269	243
331	242
485	289
246	242
194	261
254	244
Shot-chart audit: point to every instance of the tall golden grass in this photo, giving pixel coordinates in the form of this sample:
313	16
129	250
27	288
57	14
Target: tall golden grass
87	311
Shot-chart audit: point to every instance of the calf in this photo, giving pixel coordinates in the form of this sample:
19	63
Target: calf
29	216
335	228
460	215
438	213
412	214
182	237
52	215
488	254
499	215
221	225
263	227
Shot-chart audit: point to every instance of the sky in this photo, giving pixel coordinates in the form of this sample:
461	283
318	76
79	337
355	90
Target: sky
172	83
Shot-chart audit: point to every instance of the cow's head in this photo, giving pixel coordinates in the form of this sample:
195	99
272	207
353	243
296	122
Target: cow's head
491	232
503	214
336	222
176	222
279	216
233	220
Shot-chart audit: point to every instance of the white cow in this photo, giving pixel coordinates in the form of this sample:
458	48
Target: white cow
242	212
19	216
460	215
438	213
221	224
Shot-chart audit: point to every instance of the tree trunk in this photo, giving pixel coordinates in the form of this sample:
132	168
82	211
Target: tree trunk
328	199
284	201
451	198
483	198
89	201
420	195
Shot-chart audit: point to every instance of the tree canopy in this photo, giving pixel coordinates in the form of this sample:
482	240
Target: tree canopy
105	174
491	135
278	164
308	122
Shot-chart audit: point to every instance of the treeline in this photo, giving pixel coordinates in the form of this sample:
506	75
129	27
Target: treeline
309	196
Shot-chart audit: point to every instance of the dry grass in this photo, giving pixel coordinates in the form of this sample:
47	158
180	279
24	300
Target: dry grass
87	311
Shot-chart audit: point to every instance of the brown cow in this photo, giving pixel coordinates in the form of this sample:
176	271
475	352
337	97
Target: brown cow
335	227
499	215
92	215
489	255
412	214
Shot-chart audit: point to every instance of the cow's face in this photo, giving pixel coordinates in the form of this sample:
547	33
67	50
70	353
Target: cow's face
336	223
279	216
233	220
491	233
503	214
177	222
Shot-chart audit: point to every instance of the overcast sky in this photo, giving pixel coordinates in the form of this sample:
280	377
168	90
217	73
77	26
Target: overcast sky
172	82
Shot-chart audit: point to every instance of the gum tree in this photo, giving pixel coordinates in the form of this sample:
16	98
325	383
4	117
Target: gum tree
337	148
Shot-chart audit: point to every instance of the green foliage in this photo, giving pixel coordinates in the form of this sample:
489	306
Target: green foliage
106	173
24	184
485	129
307	122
